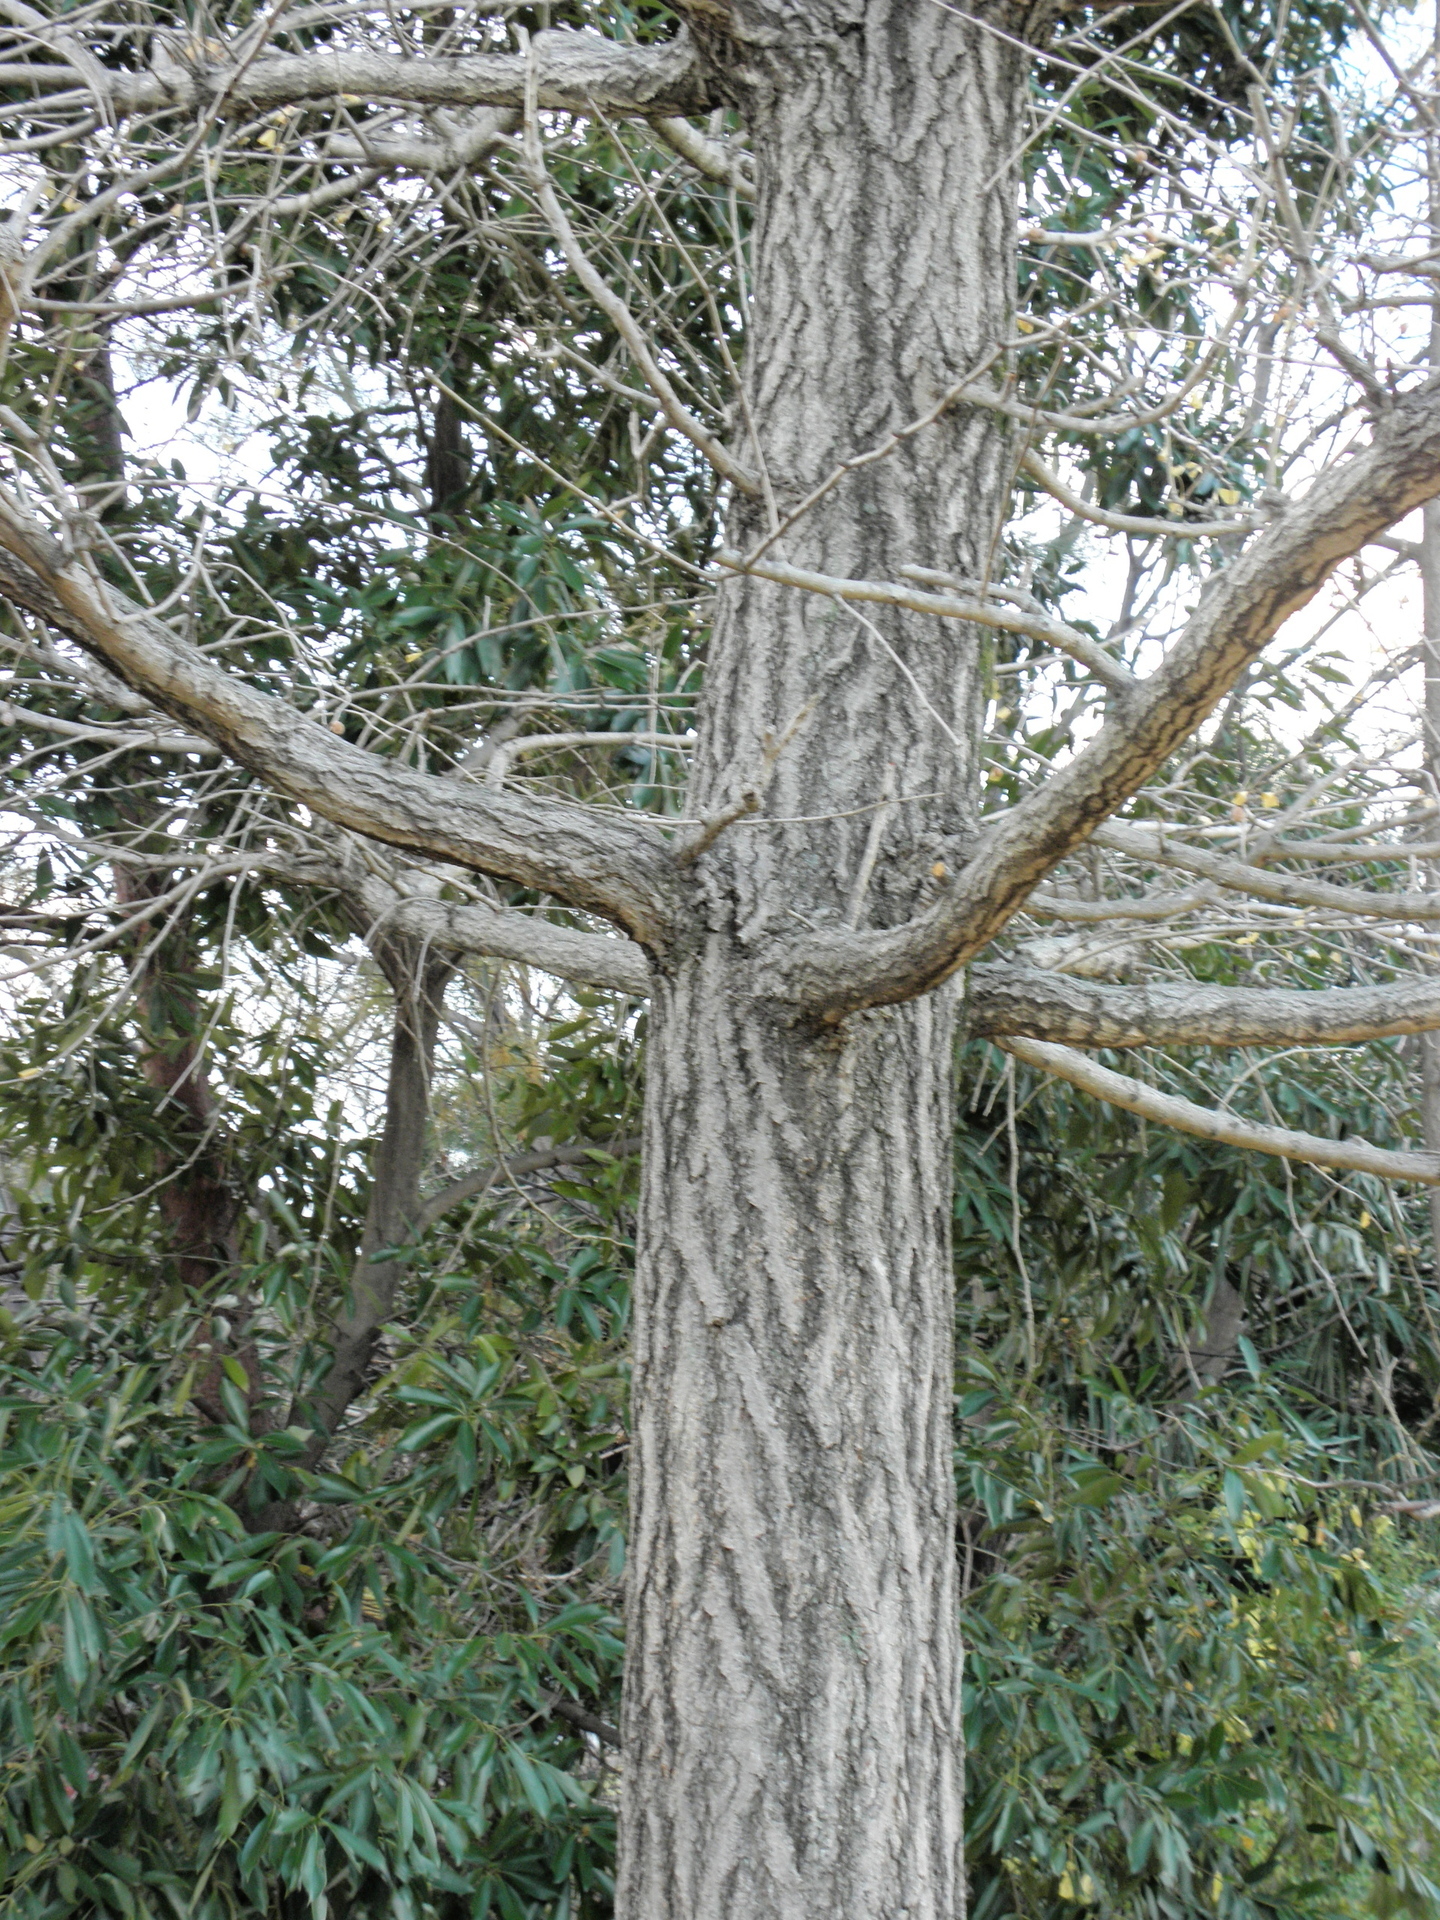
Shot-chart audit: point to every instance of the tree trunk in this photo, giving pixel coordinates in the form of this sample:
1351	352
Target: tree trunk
200	1200
417	976
394	1216
792	1731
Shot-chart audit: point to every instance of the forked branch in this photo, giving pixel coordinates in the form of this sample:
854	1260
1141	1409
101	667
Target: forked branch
599	862
833	973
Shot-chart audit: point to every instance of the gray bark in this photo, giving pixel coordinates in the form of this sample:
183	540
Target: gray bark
792	1729
600	861
580	72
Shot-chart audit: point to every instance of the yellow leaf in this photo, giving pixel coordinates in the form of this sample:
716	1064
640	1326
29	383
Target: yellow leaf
30	1073
1269	799
1067	1886
1217	1887
1364	1219
1229	496
1025	326
1089	1892
270	138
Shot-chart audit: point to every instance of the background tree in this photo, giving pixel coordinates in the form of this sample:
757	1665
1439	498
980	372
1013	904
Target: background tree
845	848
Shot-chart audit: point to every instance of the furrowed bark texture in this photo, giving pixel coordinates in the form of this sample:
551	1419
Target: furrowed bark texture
792	1738
792	1733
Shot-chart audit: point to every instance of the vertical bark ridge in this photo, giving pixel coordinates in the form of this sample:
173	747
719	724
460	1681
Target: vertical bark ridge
792	1727
792	1627
882	273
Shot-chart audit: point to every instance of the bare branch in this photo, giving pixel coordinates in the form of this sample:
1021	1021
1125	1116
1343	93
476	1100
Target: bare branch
498	769
987	613
1032	464
472	1186
462	149
707	156
1227	1129
616	311
600	862
1287	889
588	959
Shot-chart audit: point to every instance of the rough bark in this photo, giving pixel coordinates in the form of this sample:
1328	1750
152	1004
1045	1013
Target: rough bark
1036	1005
792	1711
1352	501
580	72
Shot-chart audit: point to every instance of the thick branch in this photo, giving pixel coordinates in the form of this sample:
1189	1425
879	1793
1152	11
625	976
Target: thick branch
1355	1156
1026	1002
988	613
578	73
1279	572
605	864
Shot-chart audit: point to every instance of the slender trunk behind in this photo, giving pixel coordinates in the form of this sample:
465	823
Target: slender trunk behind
417	978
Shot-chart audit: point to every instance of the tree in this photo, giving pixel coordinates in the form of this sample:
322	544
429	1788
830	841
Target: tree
810	930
